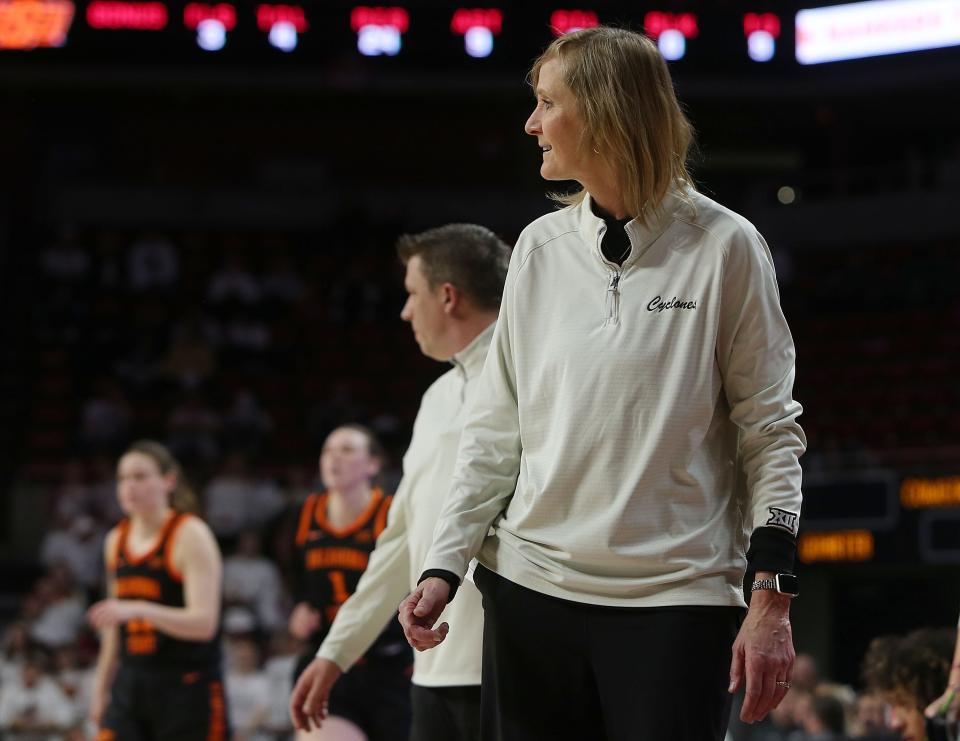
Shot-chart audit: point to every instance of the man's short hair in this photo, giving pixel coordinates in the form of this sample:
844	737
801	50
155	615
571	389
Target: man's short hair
917	664
471	257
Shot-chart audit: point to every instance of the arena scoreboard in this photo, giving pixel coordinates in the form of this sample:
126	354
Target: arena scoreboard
436	34
880	517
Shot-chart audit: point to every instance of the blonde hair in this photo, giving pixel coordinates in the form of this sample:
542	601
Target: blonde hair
182	498
630	111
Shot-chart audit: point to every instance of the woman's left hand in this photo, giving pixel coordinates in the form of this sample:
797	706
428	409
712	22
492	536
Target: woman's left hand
763	655
109	613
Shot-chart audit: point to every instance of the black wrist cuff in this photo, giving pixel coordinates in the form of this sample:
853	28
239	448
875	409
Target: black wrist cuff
448	576
771	549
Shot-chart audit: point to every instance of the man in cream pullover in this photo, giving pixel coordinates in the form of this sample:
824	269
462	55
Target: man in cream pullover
454	278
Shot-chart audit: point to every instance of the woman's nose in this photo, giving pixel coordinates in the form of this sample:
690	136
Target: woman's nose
532	126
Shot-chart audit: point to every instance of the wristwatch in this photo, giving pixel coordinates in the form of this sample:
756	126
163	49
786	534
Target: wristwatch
787	584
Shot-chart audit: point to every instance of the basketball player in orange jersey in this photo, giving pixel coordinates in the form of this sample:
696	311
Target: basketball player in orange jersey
158	674
337	532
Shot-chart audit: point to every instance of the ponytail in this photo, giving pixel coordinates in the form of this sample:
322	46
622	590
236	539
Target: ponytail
183	498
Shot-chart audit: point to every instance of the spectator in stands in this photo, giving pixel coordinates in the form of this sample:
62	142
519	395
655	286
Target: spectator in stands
74	680
355	297
108	248
252	580
806	675
32	706
780	725
193	427
138	367
821	715
76	545
62	615
103	491
869	720
282	283
247	334
190	359
246	424
106	418
236	501
31	608
152	263
66	261
298	483
279	668
238	623
339	407
234	285
14	651
70	498
783	721
64	308
248	693
909	672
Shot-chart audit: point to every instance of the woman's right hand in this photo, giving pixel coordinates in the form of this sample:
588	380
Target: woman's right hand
304	621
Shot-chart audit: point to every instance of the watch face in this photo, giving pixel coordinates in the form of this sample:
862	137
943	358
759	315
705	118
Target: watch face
788	584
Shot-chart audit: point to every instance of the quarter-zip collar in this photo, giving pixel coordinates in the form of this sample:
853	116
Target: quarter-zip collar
641	236
469	361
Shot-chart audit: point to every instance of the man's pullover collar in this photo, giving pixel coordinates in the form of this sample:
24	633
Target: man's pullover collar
469	361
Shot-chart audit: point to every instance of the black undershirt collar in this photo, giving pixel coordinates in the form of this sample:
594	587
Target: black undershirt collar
615	244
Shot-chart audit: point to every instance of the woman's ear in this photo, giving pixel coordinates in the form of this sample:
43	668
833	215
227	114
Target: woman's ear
171	480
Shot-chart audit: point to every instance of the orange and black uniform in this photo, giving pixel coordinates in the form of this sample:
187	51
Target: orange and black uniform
375	693
166	688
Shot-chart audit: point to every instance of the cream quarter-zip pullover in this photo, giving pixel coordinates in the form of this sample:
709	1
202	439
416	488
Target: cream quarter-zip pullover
633	425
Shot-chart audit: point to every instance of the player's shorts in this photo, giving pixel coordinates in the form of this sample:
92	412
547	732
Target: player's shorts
373	695
165	705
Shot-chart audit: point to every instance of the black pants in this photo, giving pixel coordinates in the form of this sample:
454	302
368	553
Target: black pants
554	669
446	713
151	704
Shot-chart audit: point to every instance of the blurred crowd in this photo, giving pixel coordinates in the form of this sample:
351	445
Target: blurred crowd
48	653
48	650
815	708
210	340
220	342
242	351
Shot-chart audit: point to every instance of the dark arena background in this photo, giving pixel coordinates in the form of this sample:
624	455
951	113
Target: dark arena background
198	215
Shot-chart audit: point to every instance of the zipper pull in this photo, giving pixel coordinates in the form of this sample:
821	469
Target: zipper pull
613	300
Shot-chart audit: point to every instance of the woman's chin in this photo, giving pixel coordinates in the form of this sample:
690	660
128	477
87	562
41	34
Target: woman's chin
550	173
